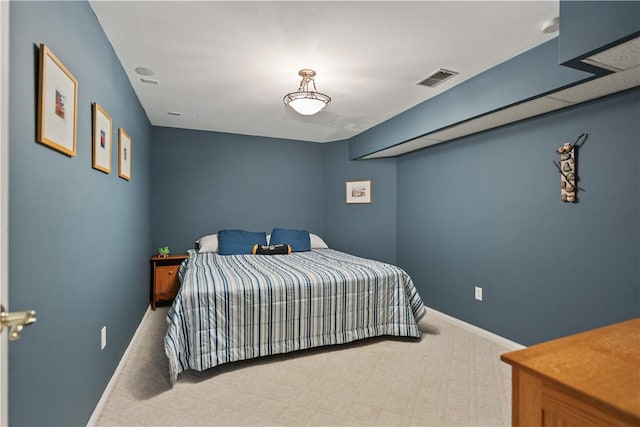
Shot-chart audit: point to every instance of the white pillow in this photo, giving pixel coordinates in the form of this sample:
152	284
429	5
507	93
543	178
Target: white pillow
208	243
317	242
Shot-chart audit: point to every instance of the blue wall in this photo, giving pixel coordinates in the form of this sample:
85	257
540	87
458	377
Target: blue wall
485	211
79	240
367	230
206	181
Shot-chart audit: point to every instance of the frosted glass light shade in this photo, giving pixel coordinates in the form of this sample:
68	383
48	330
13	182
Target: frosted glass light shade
306	103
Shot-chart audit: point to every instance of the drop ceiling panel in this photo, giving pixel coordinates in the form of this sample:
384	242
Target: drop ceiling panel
623	56
611	83
500	118
414	144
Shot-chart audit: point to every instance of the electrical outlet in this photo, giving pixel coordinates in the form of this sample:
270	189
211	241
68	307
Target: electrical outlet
103	337
478	293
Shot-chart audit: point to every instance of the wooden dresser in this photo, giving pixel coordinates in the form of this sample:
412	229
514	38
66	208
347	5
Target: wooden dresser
164	276
587	379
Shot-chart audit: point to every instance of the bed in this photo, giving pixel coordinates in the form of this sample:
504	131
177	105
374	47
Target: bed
236	307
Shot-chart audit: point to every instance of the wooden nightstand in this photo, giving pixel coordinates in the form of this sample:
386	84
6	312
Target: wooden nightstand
165	282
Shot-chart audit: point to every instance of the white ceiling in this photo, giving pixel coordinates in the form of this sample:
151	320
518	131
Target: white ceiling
227	65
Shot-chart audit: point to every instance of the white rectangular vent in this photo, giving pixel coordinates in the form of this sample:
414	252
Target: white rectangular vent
436	78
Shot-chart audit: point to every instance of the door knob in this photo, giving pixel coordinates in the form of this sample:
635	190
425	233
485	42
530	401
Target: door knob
16	321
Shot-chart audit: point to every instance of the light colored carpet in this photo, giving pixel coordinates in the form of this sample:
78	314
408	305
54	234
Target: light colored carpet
449	377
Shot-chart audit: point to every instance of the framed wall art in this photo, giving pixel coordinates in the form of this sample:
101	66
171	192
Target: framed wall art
101	139
57	104
124	154
358	191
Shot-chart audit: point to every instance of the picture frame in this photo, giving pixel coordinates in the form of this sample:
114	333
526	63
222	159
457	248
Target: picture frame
101	158
57	104
358	192
124	154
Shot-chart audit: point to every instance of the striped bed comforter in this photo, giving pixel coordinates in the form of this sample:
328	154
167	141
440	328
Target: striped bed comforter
237	307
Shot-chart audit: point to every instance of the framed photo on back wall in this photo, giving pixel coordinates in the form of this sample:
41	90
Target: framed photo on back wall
358	191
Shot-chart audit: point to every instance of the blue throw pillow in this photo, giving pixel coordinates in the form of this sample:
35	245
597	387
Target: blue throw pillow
298	239
235	242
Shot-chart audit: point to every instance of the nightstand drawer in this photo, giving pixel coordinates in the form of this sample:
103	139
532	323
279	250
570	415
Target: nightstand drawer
167	282
164	277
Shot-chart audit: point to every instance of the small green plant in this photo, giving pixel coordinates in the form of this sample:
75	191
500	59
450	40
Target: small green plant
163	251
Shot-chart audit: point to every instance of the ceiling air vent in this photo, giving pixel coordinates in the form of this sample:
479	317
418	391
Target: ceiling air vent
436	78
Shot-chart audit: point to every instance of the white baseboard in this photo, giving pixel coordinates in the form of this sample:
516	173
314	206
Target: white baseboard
114	378
504	342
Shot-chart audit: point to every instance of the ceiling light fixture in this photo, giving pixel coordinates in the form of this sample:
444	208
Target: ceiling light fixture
304	101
